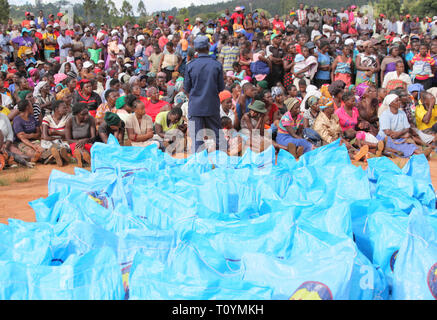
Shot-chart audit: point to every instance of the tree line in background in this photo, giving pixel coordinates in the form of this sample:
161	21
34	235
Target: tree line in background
98	11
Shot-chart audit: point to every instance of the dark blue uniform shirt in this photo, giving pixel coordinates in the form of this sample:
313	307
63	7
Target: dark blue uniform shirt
203	82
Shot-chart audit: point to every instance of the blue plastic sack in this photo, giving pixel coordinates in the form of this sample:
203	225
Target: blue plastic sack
92	276
415	270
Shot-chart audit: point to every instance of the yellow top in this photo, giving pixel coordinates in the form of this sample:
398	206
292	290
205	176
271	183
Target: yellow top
420	113
52	37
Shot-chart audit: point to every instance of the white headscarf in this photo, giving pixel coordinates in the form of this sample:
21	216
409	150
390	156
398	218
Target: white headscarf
387	102
38	88
73	67
389	99
311	91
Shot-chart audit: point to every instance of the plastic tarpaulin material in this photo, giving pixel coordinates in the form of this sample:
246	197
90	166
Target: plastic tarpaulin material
144	225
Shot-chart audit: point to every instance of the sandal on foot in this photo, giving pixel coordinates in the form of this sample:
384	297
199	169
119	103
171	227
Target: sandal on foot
360	154
78	156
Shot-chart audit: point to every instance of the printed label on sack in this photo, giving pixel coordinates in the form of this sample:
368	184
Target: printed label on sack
432	280
312	290
100	198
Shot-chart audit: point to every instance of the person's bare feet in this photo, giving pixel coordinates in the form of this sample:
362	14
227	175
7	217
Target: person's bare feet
55	153
291	147
427	152
86	156
299	151
36	156
380	148
78	156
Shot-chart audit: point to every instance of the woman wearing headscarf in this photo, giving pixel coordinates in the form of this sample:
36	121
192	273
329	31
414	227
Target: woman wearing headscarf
67	67
278	100
415	89
34	77
311	111
327	124
367	65
112	125
394	128
124	106
80	133
290	130
60	80
43	97
71	84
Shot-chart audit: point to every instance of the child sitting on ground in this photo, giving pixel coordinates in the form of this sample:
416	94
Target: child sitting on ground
365	145
234	141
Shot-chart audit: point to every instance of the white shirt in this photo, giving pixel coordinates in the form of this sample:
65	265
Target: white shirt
393	75
6	128
61	41
400	24
230	114
395	122
6	100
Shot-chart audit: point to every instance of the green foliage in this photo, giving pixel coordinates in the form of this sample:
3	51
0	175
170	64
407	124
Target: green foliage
424	8
4	11
389	7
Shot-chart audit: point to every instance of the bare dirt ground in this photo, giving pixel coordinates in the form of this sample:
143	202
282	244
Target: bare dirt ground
19	186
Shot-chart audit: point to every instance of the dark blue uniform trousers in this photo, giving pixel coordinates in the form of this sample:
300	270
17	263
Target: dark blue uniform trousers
196	126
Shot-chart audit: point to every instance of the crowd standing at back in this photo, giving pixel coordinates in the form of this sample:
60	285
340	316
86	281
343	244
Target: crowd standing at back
296	83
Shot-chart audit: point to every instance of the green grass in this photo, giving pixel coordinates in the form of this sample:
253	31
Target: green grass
4	182
22	177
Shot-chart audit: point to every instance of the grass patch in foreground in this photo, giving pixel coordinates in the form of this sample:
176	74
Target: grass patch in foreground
4	182
22	177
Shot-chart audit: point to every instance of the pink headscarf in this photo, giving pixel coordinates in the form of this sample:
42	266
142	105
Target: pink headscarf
59	77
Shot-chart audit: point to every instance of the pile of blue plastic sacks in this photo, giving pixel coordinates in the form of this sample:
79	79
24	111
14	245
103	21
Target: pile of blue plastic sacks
144	225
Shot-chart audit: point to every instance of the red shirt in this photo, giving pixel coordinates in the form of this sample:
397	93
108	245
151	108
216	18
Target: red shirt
69	33
272	111
352	31
278	24
152	109
235	15
298	48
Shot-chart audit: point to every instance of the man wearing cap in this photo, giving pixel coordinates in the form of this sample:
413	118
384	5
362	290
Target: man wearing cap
49	40
238	13
65	44
203	82
87	39
26	22
197	26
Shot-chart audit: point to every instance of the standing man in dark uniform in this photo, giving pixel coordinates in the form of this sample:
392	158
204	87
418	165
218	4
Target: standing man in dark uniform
203	82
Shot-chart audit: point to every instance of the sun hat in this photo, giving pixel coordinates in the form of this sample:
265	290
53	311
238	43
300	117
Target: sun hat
59	77
87	64
258	106
290	103
224	95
